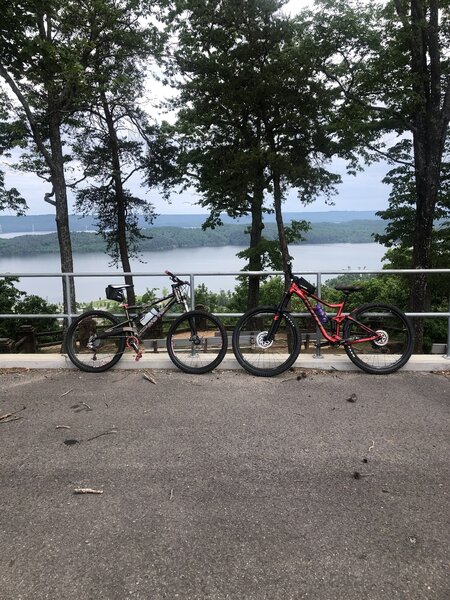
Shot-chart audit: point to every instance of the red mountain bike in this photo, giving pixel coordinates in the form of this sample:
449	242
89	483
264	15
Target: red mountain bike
378	338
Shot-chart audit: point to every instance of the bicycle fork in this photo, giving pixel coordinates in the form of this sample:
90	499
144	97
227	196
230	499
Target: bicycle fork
276	318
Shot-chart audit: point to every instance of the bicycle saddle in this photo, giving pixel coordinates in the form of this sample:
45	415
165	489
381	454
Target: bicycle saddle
348	289
120	287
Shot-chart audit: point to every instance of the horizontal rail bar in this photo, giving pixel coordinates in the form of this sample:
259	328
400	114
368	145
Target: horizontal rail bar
317	274
225	273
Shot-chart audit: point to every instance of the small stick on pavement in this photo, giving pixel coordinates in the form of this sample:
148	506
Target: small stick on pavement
114	430
6	417
5	420
358	475
149	377
372	446
62	427
87	491
65	393
171	494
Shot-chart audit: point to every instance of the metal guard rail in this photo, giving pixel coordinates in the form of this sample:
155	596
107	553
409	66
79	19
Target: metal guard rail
317	274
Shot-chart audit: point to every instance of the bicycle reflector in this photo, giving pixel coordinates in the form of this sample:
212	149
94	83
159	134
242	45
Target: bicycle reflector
305	285
114	293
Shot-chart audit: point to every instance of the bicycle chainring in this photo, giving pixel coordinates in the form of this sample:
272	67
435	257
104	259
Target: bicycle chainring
133	342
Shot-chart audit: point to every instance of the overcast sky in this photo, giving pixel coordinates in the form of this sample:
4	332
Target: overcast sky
363	192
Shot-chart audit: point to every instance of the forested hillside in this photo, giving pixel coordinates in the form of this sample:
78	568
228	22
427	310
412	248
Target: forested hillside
36	223
166	238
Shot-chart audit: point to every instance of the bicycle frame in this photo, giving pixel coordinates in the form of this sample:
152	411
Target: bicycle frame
129	325
334	338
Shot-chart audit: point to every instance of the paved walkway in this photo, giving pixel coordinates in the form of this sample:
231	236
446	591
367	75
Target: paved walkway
311	486
160	360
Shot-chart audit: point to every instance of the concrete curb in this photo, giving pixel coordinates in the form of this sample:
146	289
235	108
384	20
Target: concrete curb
418	362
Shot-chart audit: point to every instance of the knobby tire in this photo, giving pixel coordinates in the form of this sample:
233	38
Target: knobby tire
109	350
393	352
251	350
197	342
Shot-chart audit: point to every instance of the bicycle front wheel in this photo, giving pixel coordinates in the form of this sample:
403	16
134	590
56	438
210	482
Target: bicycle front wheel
197	342
394	347
255	353
87	351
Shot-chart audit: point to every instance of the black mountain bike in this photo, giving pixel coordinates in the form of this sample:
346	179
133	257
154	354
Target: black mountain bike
377	337
196	341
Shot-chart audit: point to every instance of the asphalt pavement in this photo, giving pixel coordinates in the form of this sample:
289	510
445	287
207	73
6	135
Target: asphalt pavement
309	486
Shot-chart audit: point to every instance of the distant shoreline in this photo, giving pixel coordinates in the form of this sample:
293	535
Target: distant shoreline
46	223
169	238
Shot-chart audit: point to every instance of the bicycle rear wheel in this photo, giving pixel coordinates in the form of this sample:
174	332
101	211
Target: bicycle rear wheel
254	353
391	351
197	342
85	350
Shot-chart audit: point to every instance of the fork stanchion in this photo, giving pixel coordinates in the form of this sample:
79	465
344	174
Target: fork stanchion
318	353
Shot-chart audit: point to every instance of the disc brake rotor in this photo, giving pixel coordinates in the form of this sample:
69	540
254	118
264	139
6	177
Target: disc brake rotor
261	340
93	342
383	339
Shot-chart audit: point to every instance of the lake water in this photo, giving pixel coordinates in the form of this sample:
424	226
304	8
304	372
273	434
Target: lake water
181	261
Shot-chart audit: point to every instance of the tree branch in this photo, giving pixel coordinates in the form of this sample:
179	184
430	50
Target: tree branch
48	196
26	107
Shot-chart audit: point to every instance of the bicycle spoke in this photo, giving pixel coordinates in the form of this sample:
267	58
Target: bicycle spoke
257	354
393	347
197	342
89	352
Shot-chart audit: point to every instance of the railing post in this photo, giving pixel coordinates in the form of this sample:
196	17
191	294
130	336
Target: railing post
448	332
68	298
192	279
318	353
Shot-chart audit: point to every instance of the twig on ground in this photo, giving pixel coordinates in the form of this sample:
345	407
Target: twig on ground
149	377
6	417
65	393
114	430
87	491
358	475
5	420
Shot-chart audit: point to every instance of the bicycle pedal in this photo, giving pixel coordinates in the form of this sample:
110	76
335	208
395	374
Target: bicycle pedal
138	355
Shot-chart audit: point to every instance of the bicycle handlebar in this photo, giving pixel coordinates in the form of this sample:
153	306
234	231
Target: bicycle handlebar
174	278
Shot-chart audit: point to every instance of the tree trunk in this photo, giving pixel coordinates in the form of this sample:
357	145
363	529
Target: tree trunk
62	212
120	199
277	200
255	262
430	118
427	179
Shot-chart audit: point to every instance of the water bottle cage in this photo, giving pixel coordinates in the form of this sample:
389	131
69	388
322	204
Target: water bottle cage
321	314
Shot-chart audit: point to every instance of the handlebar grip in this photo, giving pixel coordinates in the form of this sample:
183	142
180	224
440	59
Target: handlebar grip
169	274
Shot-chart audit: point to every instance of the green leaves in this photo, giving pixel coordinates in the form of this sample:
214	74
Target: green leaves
10	199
